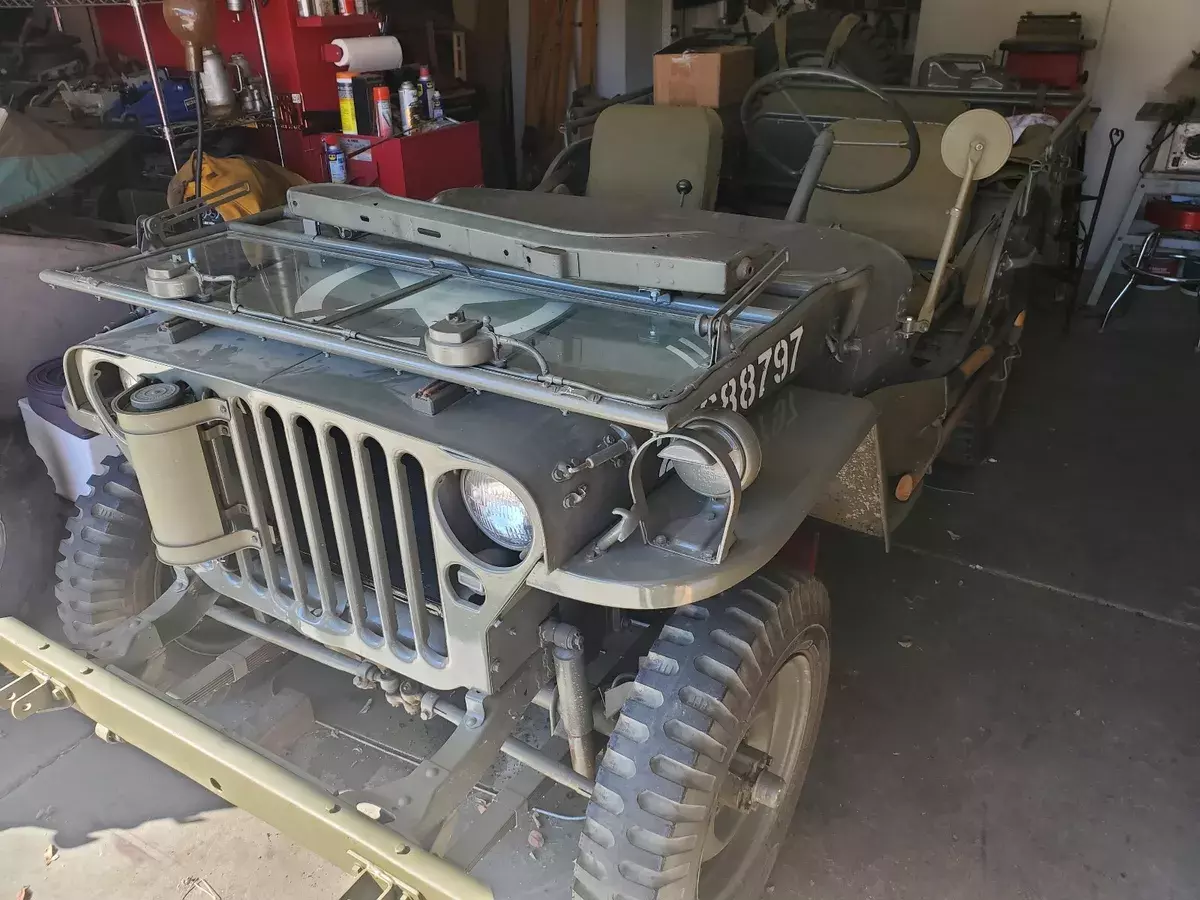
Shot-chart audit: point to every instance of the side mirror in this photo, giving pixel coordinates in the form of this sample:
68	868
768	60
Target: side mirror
976	145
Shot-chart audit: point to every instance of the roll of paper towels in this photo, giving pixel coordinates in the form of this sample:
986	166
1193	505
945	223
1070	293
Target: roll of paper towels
369	54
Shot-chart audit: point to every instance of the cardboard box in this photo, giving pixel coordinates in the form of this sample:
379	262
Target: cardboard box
702	76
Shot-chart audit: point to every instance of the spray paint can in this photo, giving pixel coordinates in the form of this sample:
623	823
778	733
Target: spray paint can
345	92
408	107
335	156
425	93
438	114
383	111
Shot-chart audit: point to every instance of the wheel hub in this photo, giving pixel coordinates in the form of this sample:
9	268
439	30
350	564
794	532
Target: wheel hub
763	769
751	782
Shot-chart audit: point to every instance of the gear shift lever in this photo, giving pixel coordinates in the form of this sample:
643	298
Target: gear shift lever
683	187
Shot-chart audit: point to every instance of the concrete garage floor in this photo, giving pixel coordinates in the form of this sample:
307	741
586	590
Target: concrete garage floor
1012	711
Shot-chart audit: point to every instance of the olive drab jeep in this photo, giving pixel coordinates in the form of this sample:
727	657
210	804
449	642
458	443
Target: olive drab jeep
510	454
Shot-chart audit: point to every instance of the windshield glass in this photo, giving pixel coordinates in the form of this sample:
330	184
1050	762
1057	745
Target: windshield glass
622	350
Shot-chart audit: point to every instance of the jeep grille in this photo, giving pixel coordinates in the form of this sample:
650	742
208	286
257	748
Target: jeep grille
349	525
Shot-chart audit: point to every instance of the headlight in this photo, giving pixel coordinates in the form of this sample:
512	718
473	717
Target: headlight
497	511
745	452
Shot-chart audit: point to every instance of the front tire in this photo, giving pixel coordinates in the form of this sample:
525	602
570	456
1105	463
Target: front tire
729	679
109	571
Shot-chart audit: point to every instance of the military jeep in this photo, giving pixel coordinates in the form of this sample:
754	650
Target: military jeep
508	454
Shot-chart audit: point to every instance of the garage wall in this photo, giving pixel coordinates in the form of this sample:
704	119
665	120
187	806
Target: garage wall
977	26
1141	45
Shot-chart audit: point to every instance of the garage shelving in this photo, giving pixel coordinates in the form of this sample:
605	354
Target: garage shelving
170	131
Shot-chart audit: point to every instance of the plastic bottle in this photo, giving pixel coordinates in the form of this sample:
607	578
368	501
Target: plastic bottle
335	156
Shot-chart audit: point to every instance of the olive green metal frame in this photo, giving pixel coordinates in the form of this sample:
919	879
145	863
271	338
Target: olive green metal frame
51	677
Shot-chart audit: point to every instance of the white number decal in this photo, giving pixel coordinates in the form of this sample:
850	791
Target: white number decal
795	336
781	361
750	384
749	389
729	395
764	360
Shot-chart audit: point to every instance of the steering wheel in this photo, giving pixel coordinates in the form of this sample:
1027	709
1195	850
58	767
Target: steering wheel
776	80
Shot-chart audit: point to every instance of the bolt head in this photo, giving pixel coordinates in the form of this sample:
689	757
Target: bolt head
768	790
495	666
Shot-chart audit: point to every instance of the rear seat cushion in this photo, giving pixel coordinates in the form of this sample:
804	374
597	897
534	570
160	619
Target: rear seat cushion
910	217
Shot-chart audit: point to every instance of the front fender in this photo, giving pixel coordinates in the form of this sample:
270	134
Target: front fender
806	435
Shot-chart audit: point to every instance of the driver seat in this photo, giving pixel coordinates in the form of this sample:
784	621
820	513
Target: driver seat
910	217
640	154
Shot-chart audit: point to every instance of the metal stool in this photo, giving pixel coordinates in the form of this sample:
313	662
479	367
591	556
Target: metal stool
1174	220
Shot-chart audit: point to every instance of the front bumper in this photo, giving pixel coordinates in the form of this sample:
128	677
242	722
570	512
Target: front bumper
50	677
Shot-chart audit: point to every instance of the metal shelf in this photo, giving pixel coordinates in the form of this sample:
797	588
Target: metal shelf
169	132
187	129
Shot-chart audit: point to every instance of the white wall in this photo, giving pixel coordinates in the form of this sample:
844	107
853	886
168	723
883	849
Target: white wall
978	26
1145	45
1142	43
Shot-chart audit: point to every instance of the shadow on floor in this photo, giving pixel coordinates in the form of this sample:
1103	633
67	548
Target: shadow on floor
1097	466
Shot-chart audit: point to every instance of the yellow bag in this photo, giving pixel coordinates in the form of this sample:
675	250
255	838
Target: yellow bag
268	183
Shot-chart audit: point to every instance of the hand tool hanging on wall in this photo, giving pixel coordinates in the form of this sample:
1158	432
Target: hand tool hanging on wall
1115	137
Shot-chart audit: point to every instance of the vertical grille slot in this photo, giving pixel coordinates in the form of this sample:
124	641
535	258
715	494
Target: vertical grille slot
375	525
300	436
269	426
399	469
250	466
335	452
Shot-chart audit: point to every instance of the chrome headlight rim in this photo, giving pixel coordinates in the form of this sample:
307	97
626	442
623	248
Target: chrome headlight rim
516	503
